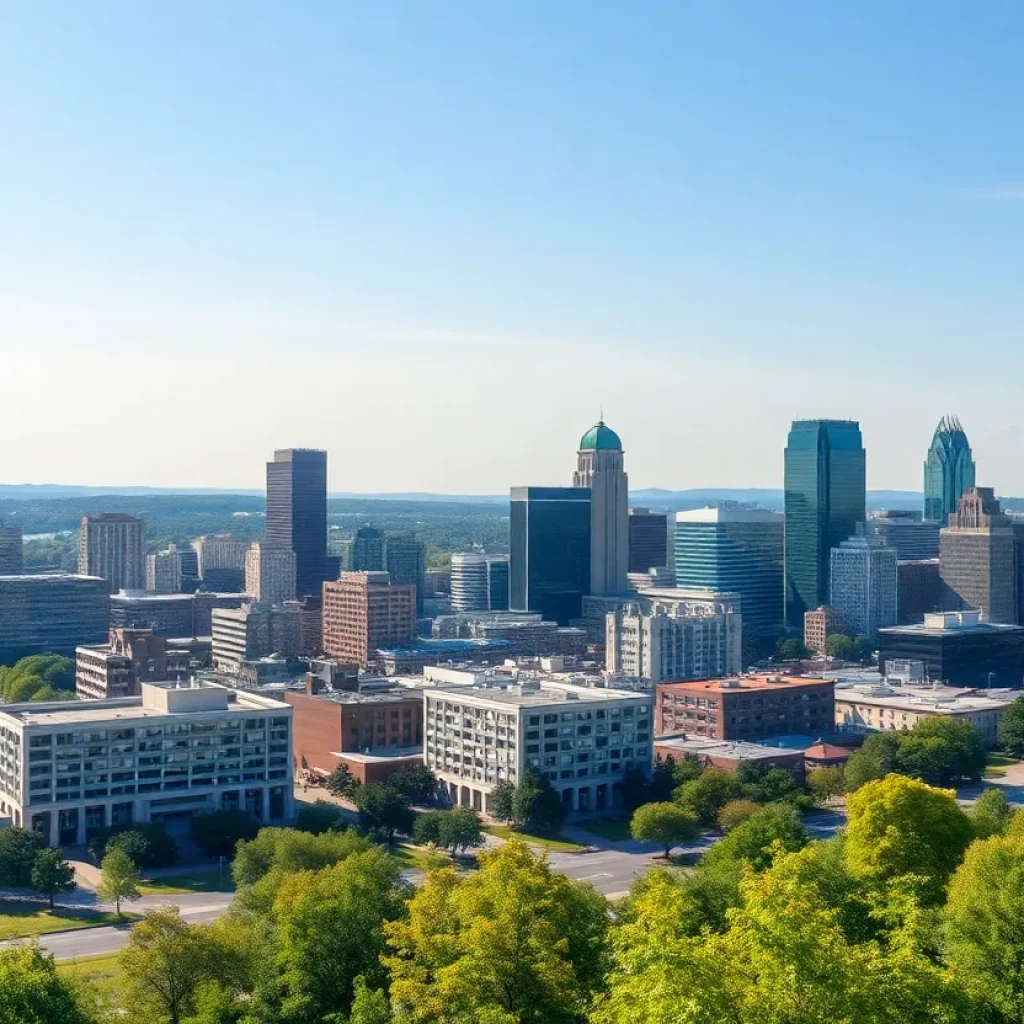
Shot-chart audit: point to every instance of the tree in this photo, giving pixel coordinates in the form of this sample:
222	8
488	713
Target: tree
416	783
369	1005
765	785
941	750
427	828
536	804
875	759
1011	728
165	964
706	795
460	829
149	845
32	992
840	646
990	814
902	827
384	808
119	879
219	832
319	817
666	824
983	937
735	812
18	849
329	925
513	942
756	841
826	783
341	782
500	802
863	650
52	874
790	650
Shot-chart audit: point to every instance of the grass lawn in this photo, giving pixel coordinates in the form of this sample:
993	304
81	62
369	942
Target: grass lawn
615	829
20	919
548	842
997	763
203	880
100	973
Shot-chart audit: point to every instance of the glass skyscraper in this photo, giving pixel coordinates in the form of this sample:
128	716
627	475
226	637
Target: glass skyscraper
549	551
297	513
738	550
825	489
948	470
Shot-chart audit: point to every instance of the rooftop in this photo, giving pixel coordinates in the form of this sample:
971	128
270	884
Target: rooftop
396	695
951	623
49	577
736	750
430	647
939	700
739	684
729	515
533	694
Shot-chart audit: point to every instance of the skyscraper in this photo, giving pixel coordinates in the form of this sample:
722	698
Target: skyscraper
497	582
648	539
738	550
270	573
112	546
368	550
977	560
948	470
469	582
864	584
825	488
549	561
599	466
405	560
297	513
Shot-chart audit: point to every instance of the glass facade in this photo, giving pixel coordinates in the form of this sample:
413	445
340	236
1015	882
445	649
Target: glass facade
734	550
297	513
825	489
549	545
948	470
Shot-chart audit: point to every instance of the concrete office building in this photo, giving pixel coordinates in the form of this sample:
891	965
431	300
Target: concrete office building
12	560
825	495
959	648
977	558
367	552
948	471
129	658
69	771
270	573
918	591
822	623
656	640
526	635
365	611
648	540
405	561
735	550
113	546
751	707
254	631
170	615
550	550
497	583
584	740
599	467
51	613
863	584
219	551
297	514
469	583
907	533
163	572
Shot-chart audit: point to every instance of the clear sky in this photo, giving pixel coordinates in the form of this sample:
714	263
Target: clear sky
436	237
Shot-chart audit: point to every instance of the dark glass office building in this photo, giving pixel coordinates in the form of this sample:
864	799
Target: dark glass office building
948	470
549	544
648	539
825	487
297	513
497	583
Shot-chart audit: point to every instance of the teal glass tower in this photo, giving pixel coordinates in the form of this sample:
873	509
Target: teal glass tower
948	470
825	489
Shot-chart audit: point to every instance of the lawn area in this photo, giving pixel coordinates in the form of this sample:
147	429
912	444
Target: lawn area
614	829
20	919
203	880
996	764
548	842
90	969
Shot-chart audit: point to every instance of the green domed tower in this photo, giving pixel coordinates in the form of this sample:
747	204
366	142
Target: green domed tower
599	466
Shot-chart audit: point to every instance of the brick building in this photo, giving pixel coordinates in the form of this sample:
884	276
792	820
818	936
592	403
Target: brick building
822	623
372	734
365	611
746	708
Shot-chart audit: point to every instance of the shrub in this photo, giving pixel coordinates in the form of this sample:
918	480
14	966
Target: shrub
217	834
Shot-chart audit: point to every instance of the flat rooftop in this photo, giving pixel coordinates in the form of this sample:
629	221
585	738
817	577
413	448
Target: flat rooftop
937	700
739	684
47	577
563	694
384	757
737	750
398	695
432	647
939	628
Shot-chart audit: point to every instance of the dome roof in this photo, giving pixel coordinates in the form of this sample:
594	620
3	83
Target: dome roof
600	438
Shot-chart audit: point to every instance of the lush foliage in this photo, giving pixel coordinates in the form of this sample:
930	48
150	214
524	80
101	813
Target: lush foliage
457	830
341	782
416	783
536	805
218	833
18	849
148	845
52	874
666	824
990	814
38	677
384	810
826	783
320	816
32	992
1011	728
119	878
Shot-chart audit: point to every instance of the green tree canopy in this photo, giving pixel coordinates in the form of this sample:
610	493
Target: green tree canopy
903	827
499	803
941	750
416	782
1011	728
385	809
991	813
757	840
119	878
52	874
319	817
18	849
707	794
341	782
826	783
32	992
536	804
218	833
666	824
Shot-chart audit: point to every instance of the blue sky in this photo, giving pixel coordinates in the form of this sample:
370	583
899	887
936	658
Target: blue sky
436	237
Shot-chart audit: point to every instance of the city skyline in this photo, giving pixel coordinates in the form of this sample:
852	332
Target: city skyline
712	223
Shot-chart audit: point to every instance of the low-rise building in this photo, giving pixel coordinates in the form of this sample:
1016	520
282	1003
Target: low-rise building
170	615
252	632
68	771
118	667
584	740
163	572
822	623
751	707
729	754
